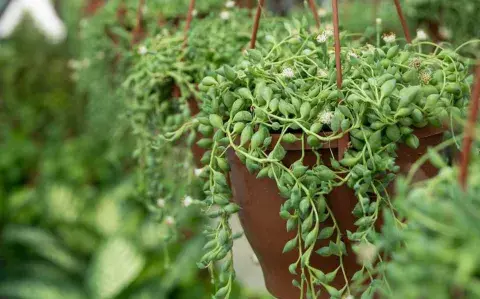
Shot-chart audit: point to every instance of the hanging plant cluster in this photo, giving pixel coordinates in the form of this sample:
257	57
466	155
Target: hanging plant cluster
301	136
442	212
162	94
103	58
287	96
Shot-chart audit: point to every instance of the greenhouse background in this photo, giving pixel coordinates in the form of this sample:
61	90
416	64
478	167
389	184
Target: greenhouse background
183	149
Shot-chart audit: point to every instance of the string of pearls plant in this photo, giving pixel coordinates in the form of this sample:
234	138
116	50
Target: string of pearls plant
289	89
160	86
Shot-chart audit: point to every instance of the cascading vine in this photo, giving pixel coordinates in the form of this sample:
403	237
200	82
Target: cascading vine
289	91
160	86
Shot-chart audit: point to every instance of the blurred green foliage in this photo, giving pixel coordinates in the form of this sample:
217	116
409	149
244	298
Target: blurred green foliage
434	248
70	225
456	20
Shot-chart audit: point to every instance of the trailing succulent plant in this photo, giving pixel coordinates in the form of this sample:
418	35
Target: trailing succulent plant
435	254
161	85
101	62
289	91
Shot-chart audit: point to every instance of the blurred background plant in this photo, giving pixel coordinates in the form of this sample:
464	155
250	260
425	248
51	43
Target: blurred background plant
435	251
445	20
70	225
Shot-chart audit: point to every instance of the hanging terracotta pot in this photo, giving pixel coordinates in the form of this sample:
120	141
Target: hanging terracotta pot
266	230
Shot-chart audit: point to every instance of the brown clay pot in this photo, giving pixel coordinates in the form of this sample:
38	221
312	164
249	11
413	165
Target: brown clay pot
266	231
194	109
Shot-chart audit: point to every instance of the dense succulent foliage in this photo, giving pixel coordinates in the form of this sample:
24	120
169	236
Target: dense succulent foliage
289	92
435	254
70	226
162	96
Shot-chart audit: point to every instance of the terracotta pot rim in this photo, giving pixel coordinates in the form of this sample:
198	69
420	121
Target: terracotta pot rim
297	146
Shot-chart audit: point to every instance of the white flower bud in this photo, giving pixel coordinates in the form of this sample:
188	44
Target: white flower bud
389	37
187	201
224	15
321	38
326	117
288	73
421	35
169	220
142	50
161	202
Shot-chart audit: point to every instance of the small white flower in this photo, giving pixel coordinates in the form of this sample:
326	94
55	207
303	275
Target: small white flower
445	32
230	4
321	38
350	297
326	117
169	220
322	12
161	202
322	73
187	201
142	50
378	21
352	54
269	38
194	13
389	37
224	15
198	171
421	35
100	55
288	73
328	32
